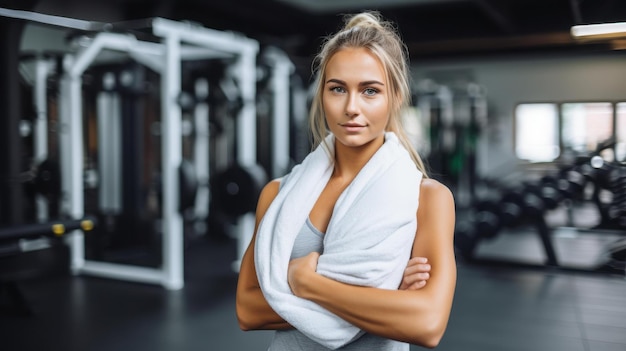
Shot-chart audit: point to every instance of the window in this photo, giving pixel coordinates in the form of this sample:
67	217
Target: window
543	131
586	125
536	132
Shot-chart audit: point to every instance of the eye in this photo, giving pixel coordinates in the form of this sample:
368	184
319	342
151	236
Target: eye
337	89
370	91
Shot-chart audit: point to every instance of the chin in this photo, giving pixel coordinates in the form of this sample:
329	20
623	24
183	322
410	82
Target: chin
355	140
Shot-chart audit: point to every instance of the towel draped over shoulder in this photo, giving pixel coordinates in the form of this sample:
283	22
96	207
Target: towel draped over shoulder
368	240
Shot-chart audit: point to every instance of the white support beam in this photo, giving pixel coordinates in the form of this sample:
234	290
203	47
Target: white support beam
171	158
71	154
227	42
123	272
282	69
43	68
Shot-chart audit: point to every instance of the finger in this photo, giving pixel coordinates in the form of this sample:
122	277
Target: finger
418	260
417	285
405	285
417	268
417	277
422	276
424	267
410	280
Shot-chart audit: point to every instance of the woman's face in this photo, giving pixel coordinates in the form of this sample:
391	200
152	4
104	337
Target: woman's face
355	97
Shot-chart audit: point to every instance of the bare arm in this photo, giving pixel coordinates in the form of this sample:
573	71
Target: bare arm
416	316
253	311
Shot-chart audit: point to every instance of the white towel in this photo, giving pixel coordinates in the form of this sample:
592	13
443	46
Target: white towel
368	240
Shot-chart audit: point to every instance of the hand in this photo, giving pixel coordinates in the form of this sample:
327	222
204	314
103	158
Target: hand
298	270
416	274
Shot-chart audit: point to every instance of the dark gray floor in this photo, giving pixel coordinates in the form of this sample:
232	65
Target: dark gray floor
495	309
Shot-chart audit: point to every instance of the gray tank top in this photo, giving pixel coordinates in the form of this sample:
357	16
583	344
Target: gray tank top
308	240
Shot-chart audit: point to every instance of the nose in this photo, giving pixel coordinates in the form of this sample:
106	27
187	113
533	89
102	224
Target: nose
352	106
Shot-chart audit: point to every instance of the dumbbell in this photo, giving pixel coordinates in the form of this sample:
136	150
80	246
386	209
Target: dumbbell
487	218
572	182
511	209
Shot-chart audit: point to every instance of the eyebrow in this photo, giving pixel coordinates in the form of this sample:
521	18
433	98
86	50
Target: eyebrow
367	82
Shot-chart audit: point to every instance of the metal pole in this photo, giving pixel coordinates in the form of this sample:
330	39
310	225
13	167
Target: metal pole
71	153
246	140
42	71
171	160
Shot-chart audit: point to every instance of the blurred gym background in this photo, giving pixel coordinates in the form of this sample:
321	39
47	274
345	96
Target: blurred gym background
136	136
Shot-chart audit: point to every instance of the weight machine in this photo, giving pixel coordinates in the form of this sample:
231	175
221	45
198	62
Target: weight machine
455	118
176	42
281	69
180	41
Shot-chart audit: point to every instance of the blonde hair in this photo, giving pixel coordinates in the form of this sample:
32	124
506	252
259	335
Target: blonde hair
368	30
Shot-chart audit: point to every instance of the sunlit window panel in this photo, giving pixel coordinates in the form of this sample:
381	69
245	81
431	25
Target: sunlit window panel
586	125
620	132
536	132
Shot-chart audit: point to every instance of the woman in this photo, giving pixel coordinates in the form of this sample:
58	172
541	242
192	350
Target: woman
355	118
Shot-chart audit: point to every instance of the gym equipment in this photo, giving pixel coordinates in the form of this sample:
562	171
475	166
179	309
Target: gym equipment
188	188
435	103
520	205
201	150
173	42
281	69
299	135
235	190
609	186
455	118
528	202
47	180
548	190
21	258
517	205
44	66
488	218
43	184
49	229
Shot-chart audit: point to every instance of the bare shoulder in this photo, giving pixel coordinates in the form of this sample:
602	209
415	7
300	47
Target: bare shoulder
431	189
271	189
435	196
268	193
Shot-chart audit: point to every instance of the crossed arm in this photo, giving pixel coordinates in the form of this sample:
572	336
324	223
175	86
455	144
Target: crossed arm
416	313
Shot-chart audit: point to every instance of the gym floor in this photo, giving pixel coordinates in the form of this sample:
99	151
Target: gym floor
496	308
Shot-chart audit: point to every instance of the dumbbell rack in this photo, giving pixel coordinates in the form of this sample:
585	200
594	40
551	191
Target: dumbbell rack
525	206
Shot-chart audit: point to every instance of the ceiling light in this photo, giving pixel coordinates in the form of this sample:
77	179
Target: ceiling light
599	31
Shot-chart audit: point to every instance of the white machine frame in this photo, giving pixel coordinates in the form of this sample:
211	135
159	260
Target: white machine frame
180	41
281	70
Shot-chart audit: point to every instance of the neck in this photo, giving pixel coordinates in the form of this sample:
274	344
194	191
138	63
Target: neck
350	160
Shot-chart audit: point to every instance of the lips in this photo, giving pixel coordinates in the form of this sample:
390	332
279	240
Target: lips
351	125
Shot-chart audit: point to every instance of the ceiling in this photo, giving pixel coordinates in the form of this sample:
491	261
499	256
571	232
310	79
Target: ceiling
432	29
